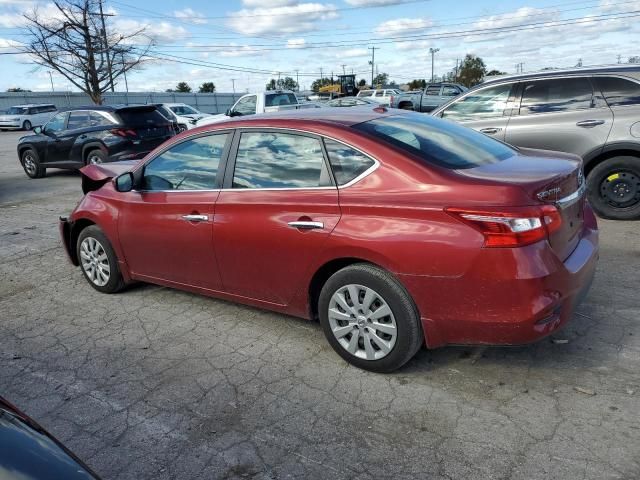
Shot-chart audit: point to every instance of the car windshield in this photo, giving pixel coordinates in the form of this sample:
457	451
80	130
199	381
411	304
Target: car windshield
443	143
17	111
277	99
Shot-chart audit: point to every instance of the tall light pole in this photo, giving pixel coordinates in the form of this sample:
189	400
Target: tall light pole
373	61
433	52
124	71
233	87
51	78
297	80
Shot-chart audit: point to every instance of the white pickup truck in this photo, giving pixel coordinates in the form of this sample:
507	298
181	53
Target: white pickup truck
253	103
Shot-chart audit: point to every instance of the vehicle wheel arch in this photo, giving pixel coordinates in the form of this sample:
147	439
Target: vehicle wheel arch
403	105
591	162
78	226
89	147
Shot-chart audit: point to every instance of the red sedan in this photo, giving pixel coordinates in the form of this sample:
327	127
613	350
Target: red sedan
394	229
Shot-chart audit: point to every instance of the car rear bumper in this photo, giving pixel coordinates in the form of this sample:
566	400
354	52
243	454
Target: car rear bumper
508	296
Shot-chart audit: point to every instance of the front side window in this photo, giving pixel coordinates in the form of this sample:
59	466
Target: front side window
446	144
279	160
448	91
56	124
78	119
278	99
346	162
618	91
488	102
190	165
433	90
557	95
246	106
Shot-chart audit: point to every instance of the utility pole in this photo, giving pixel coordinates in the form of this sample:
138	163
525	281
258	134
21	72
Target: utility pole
124	71
619	58
373	61
51	78
343	72
233	87
105	47
297	81
456	78
433	52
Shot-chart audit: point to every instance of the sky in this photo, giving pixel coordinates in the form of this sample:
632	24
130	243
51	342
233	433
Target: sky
251	41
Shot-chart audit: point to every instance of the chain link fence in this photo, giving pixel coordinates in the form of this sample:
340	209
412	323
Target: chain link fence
205	102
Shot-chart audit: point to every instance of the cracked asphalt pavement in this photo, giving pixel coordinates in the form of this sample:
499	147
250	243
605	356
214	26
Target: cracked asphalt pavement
155	383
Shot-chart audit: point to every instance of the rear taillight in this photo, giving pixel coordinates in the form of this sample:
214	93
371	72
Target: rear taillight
124	132
514	227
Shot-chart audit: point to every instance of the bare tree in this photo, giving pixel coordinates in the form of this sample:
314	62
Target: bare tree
76	43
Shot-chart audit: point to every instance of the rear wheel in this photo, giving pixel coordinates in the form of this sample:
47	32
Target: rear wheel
95	157
31	164
27	125
98	260
369	318
406	106
614	188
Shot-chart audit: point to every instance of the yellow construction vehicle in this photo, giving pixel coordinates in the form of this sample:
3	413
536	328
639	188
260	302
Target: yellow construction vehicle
345	85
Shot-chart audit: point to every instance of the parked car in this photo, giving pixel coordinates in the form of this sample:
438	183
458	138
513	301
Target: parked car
94	134
428	99
351	102
394	229
186	114
29	452
178	125
26	117
593	113
255	103
383	96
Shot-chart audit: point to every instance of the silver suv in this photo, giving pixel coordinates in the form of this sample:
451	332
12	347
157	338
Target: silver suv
594	113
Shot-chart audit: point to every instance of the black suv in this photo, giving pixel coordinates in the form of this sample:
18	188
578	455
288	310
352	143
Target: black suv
95	134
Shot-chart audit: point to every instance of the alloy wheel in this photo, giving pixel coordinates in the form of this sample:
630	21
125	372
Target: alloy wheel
29	163
362	322
94	159
95	262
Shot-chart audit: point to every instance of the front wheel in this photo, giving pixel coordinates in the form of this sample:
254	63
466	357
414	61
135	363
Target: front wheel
31	164
369	318
98	260
614	188
95	157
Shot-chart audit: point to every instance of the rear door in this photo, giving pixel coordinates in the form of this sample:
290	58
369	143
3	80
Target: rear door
560	114
277	209
486	109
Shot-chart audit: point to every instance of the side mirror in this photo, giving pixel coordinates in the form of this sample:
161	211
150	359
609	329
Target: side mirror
228	112
124	183
37	130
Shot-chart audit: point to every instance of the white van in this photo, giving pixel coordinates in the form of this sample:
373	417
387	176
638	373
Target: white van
27	116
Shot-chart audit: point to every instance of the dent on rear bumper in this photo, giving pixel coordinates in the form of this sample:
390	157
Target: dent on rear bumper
507	297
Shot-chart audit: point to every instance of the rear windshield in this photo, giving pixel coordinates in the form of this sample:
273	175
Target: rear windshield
277	99
17	111
436	141
141	116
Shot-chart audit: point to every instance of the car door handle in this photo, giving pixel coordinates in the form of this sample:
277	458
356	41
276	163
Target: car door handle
589	123
196	218
306	225
491	130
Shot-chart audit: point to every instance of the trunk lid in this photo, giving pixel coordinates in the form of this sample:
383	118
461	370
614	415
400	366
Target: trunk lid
546	177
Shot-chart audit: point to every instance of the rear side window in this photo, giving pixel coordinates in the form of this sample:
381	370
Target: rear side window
446	144
449	91
100	118
618	91
141	117
346	162
78	119
277	99
279	160
487	102
557	95
190	165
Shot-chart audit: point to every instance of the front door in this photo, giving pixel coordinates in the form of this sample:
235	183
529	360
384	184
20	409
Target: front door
486	110
55	130
166	224
277	210
560	114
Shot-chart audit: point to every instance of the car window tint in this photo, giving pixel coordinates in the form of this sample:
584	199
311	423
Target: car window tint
190	165
78	119
279	160
277	99
484	103
557	95
447	144
433	90
619	91
366	93
246	106
141	117
101	119
346	162
56	124
448	91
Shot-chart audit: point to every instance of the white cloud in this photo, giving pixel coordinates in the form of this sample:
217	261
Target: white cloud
295	42
191	16
280	20
268	3
159	32
353	53
375	3
401	26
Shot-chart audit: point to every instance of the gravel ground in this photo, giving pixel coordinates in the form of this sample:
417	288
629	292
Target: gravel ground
156	383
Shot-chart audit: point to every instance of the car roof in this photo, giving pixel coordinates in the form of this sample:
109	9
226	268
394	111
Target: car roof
110	108
29	105
622	69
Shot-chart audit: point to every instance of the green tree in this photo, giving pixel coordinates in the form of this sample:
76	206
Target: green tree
207	87
286	83
472	71
495	72
320	82
634	59
183	87
381	79
417	84
17	89
362	82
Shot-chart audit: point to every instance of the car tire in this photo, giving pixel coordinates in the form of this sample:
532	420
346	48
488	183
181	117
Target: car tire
350	325
27	125
95	157
98	261
614	188
31	164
